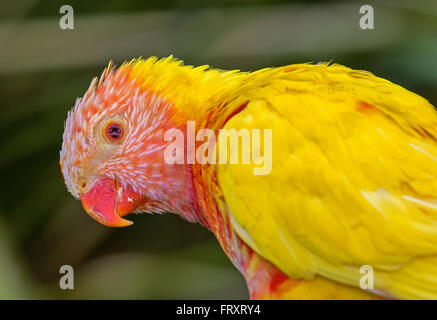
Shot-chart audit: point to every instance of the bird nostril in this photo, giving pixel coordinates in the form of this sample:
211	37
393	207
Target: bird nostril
83	185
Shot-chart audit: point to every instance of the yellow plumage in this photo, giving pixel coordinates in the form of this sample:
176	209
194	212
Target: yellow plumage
353	180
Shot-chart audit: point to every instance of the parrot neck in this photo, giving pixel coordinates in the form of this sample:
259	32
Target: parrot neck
200	98
196	199
200	182
206	99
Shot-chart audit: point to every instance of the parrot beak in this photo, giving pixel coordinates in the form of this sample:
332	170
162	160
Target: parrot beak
106	203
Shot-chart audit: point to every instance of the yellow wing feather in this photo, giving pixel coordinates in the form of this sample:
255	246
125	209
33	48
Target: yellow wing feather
353	180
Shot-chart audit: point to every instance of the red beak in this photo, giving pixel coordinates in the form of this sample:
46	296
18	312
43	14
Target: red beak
107	203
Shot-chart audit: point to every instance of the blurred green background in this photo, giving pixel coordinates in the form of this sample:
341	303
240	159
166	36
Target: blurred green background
43	69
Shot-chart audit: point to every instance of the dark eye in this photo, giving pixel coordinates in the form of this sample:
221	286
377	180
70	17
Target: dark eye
114	132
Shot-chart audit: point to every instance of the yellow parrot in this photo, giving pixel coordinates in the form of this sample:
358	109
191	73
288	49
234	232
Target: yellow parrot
342	206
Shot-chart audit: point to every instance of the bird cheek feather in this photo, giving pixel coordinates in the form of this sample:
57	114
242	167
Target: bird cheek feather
106	202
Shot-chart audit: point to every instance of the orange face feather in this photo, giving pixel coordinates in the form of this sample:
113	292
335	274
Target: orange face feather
112	151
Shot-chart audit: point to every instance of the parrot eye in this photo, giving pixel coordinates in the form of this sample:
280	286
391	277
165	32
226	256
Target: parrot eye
114	132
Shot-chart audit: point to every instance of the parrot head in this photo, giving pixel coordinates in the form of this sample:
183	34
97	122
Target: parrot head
112	151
